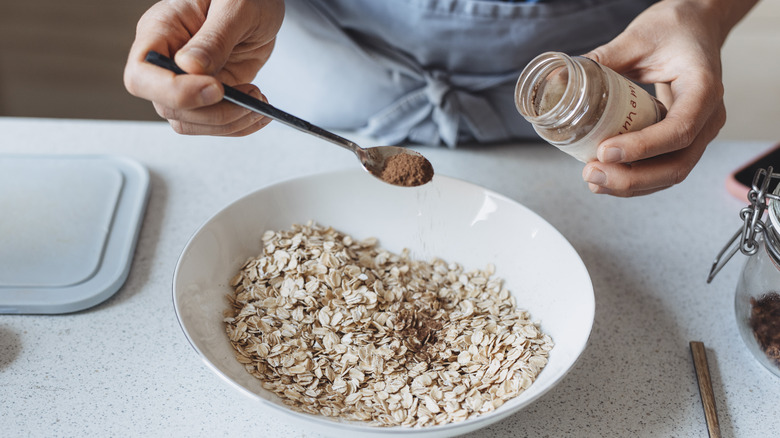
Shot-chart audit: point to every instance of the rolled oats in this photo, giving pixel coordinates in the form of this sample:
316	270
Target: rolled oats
341	327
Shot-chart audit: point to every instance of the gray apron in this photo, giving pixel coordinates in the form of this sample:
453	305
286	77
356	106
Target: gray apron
425	71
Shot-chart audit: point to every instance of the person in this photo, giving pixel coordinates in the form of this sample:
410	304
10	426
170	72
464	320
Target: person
439	71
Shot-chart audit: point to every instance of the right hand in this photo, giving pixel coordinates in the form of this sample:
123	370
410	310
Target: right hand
217	41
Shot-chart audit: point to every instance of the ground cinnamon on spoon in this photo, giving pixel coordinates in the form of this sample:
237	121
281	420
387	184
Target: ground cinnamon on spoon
407	170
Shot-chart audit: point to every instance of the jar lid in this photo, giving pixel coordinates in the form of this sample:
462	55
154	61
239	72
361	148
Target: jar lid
745	239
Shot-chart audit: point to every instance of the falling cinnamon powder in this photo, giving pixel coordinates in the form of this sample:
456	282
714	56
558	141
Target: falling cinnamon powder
407	170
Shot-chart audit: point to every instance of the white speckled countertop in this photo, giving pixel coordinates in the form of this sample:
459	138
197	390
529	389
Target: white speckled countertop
124	367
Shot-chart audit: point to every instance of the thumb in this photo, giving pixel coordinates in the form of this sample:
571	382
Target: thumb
209	49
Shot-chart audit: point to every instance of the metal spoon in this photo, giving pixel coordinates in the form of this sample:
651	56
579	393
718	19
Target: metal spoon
374	160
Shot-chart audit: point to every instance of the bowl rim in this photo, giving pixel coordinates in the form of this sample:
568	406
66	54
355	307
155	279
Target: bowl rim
472	424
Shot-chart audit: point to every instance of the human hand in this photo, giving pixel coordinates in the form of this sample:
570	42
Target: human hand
218	41
676	45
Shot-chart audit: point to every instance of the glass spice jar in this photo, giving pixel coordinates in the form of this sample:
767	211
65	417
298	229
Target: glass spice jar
574	103
757	296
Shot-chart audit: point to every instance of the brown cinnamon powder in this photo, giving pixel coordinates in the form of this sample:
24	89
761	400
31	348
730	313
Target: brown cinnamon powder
407	170
765	322
419	329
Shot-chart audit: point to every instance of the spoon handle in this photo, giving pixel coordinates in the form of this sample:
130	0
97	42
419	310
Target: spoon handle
258	106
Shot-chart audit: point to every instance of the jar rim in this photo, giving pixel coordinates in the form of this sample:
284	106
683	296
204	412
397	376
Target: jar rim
542	65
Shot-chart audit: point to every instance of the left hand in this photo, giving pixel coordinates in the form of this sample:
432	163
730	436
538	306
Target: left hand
675	44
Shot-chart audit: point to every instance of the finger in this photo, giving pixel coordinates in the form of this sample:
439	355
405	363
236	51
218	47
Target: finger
224	118
624	180
605	191
249	123
226	26
262	123
159	85
648	176
221	113
243	67
698	99
619	54
170	90
663	92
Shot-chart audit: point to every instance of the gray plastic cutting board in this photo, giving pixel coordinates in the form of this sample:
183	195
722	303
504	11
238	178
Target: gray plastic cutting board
68	229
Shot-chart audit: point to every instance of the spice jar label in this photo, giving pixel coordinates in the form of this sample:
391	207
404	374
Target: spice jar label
629	108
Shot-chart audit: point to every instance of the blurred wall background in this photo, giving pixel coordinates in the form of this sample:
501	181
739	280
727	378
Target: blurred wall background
65	59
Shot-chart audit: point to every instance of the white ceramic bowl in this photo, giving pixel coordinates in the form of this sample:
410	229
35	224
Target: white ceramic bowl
448	218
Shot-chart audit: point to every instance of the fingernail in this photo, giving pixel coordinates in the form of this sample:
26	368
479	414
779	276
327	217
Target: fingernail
211	94
596	176
254	92
599	190
199	55
611	155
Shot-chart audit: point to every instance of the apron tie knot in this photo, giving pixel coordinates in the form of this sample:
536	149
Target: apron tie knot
444	107
434	112
437	87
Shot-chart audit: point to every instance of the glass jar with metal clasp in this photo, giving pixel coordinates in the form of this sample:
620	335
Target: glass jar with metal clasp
757	297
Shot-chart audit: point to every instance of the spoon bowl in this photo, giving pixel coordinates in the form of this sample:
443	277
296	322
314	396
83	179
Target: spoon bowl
396	165
391	164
